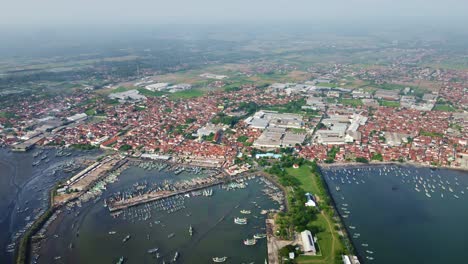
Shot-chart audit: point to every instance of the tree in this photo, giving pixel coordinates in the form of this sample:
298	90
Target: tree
362	160
377	156
125	147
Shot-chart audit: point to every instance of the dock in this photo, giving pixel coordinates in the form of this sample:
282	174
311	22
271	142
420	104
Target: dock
154	196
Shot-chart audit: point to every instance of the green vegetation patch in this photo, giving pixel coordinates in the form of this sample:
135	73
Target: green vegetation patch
318	220
350	102
331	85
7	115
125	147
444	108
83	146
187	94
389	103
304	175
291	107
391	86
430	134
222	118
90	112
377	156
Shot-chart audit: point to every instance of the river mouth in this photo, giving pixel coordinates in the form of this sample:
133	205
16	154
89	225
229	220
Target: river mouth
394	214
92	234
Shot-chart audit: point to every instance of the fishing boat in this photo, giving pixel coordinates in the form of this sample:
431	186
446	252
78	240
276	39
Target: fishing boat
190	230
219	260
152	250
259	236
428	195
245	211
121	260
337	188
171	235
126	238
112	232
176	255
250	241
240	221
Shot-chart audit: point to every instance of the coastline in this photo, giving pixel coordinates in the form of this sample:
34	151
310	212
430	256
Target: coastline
346	234
376	163
23	257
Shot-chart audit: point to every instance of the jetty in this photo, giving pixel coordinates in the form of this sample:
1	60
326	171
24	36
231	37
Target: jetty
157	195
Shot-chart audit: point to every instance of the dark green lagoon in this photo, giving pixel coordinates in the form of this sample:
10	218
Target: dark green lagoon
403	214
212	219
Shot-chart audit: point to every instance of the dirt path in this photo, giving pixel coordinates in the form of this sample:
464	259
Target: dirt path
330	227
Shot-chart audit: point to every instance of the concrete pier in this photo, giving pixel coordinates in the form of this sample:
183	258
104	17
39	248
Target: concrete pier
154	196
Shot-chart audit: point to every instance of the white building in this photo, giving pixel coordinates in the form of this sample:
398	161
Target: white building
346	259
157	86
77	117
310	200
308	242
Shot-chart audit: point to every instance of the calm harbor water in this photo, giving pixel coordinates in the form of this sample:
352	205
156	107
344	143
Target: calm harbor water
212	219
403	214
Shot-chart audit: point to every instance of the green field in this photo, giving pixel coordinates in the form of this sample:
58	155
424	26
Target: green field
444	107
351	102
187	94
304	175
90	112
328	239
389	103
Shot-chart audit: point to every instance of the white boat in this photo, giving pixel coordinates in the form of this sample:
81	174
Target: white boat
245	211
153	250
240	221
250	242
219	260
126	238
121	260
259	236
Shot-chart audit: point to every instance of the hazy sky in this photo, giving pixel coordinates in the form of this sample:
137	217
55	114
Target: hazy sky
38	12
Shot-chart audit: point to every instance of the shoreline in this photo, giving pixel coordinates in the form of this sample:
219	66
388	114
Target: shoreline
362	164
346	233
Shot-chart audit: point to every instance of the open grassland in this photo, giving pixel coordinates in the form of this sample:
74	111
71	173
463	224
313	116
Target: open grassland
444	107
350	102
389	103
